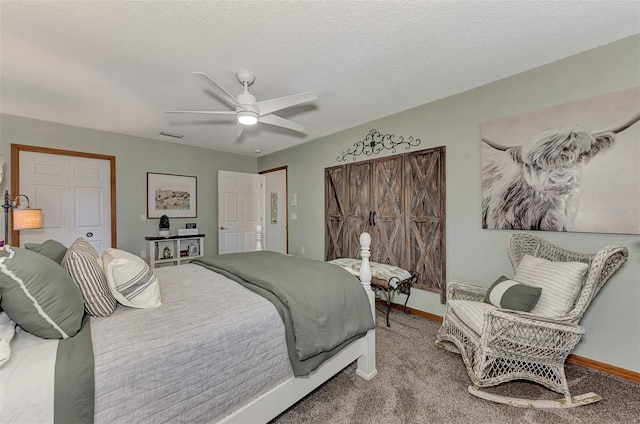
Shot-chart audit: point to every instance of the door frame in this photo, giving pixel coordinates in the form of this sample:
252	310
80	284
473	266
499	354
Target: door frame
286	203
15	179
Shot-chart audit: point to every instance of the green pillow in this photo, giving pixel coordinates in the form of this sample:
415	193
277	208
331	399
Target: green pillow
509	294
39	295
52	249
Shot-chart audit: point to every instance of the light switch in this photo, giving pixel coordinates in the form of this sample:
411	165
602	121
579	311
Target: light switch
294	200
143	218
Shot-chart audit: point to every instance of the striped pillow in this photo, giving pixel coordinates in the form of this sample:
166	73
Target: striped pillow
83	263
131	280
560	282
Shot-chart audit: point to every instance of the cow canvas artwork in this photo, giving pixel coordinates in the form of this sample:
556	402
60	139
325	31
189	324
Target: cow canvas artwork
571	167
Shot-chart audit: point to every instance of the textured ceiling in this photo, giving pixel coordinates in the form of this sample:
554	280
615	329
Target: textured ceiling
116	65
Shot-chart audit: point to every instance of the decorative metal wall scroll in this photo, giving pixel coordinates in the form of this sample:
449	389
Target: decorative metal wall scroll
375	142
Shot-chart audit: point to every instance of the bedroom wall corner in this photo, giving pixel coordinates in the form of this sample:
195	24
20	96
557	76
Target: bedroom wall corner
474	254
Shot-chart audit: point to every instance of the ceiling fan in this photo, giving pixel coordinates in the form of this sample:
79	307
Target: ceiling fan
249	111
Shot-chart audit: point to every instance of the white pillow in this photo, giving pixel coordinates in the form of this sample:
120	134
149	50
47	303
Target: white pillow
560	282
7	331
130	279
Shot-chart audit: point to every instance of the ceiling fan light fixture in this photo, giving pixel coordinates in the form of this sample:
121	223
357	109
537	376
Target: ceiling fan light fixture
247	118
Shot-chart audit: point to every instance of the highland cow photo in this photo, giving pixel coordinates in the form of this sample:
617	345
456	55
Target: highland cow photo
572	167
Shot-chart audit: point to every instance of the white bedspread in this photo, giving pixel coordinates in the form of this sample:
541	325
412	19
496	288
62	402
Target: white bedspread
209	349
28	377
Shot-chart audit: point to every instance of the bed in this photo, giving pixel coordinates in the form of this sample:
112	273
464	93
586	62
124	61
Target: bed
215	350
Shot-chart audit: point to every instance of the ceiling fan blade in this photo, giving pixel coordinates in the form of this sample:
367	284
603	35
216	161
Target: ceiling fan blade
210	112
281	122
268	106
206	78
238	130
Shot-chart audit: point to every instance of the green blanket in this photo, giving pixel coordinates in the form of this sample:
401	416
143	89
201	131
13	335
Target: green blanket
74	378
322	306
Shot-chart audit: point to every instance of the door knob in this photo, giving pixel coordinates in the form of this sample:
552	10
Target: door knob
223	228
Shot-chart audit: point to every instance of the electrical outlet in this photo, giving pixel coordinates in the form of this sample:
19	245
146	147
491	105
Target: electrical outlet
302	250
143	254
143	218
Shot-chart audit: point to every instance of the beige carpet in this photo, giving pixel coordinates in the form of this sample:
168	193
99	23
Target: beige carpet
420	383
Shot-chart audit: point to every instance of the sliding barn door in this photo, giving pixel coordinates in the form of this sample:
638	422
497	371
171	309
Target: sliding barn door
425	191
359	206
400	201
387	206
335	193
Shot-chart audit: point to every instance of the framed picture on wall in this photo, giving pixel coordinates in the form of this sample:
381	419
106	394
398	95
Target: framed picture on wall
274	208
171	195
568	167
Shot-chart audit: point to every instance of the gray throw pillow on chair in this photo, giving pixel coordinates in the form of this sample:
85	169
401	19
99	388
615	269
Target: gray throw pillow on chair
509	294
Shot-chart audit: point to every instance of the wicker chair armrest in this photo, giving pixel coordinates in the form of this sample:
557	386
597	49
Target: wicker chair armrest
529	319
466	291
518	338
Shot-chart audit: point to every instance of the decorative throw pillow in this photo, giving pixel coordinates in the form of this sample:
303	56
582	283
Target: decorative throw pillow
560	282
83	263
52	249
38	295
7	331
509	294
131	280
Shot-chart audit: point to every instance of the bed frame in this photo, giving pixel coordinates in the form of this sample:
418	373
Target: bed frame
270	404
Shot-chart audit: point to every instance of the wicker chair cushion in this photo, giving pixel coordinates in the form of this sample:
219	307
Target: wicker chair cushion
560	283
510	294
470	312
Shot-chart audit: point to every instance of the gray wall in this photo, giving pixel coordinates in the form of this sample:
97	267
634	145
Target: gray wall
473	254
135	157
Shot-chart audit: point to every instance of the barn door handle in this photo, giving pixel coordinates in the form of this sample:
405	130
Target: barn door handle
374	218
370	221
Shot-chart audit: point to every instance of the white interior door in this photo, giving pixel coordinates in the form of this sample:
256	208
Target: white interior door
74	194
240	209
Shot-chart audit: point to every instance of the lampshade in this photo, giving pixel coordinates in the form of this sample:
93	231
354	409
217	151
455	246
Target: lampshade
247	118
27	218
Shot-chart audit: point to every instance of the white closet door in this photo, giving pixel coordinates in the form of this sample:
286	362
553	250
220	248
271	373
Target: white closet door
74	194
240	209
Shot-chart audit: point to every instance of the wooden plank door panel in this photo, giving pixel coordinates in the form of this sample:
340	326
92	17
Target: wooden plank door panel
335	184
388	241
359	205
426	217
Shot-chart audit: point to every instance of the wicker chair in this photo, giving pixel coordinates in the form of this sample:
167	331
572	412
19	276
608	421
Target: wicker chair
517	345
